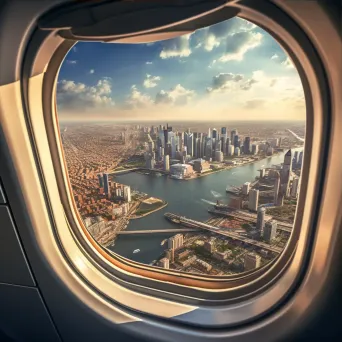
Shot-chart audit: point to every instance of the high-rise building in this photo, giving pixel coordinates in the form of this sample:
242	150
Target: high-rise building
164	262
218	145
170	254
295	158
300	159
253	199
106	184
218	156
166	163
270	231
247	145
262	173
224	132
214	134
150	146
252	261
237	151
174	144
100	178
245	188
294	188
190	143
150	161
255	149
230	150
287	166
276	188
209	133
175	241
232	135
261	219
127	193
236	141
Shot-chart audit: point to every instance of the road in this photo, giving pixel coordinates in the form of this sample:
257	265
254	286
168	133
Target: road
217	230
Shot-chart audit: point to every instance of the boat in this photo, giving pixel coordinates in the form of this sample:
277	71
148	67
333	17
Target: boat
136	251
162	243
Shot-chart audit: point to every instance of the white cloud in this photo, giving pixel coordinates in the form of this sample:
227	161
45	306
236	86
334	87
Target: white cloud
283	60
239	43
211	42
224	82
288	63
177	47
91	71
151	81
69	61
149	63
213	36
136	99
72	95
177	95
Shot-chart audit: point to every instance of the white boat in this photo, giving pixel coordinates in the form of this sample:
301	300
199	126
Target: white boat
136	251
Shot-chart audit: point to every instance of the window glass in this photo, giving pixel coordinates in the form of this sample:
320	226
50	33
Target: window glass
185	154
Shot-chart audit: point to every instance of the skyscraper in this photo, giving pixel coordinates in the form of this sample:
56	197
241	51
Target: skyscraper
166	163
245	188
106	184
100	178
294	188
247	145
190	144
276	188
253	199
300	159
224	132
295	158
127	193
255	149
214	133
232	135
236	141
270	231
261	219
287	166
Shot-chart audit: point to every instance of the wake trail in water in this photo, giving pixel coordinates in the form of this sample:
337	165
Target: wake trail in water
209	202
215	194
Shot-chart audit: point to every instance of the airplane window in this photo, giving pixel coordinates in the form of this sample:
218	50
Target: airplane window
185	154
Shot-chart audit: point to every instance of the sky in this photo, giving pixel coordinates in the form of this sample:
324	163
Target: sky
233	70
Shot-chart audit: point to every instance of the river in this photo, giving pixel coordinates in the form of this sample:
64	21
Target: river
189	198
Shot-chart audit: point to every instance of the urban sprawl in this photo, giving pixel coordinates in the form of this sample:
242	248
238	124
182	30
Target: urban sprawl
248	231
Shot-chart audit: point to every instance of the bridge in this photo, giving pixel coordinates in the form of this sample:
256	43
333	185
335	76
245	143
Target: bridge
153	231
286	227
195	224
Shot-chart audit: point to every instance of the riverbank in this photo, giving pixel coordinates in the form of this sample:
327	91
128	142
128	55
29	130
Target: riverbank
135	217
225	168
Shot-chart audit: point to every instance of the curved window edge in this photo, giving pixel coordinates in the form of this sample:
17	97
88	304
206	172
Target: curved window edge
315	149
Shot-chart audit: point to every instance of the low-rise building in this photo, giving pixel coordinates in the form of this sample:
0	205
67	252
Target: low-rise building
180	171
203	265
201	165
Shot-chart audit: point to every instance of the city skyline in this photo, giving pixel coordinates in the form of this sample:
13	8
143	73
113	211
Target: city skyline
244	74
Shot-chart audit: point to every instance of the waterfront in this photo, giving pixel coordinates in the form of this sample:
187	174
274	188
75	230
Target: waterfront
190	199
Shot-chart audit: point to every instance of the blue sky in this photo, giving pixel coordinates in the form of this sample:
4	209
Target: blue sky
231	70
